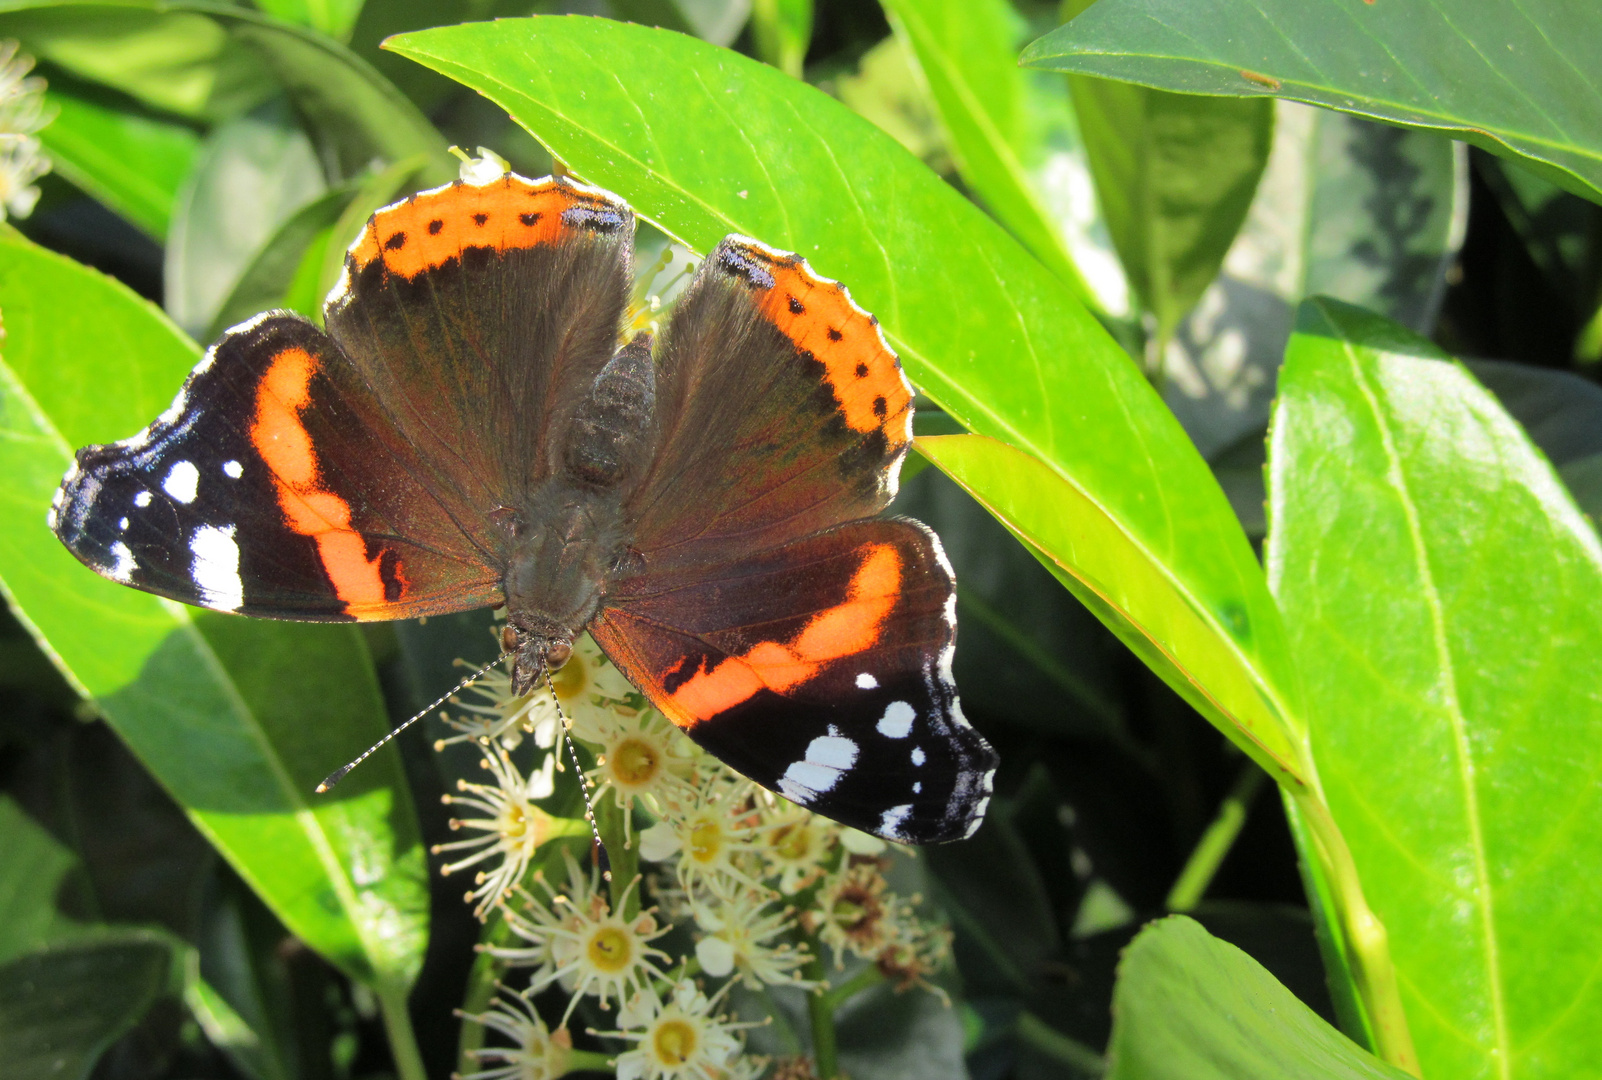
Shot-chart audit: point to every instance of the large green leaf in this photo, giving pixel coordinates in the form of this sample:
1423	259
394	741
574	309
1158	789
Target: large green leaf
1364	212
1175	174
32	865
214	60
254	173
967	54
131	161
705	142
169	57
1191	1007
1445	596
60	1008
238	718
1077	540
1517	81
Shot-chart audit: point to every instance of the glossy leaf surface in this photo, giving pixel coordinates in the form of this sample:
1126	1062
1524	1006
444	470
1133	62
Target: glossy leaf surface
1175	174
238	718
969	60
704	142
1518	82
1191	1007
1446	599
132	162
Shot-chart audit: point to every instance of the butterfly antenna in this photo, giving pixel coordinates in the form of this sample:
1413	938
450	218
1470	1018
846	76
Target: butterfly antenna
584	780
339	774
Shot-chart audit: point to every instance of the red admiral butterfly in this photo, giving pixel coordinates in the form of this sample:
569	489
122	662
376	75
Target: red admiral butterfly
469	433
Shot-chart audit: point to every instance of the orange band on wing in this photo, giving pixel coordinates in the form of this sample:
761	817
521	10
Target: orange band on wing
281	438
436	226
818	316
846	629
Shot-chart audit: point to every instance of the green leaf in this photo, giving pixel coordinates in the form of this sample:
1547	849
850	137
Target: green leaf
705	142
1445	596
968	57
267	279
164	56
60	1008
213	61
32	866
1175	174
783	30
254	173
1364	212
131	161
1188	1006
1517	83
238	718
1131	593
335	18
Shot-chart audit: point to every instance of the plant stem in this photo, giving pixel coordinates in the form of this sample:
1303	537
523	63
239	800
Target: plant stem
1054	1044
589	1061
1367	943
402	1040
822	1017
836	996
624	861
481	982
1215	843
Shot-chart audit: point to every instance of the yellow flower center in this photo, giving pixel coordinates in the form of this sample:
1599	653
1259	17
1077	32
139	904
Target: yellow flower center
674	1042
635	762
610	950
792	842
572	679
706	840
515	821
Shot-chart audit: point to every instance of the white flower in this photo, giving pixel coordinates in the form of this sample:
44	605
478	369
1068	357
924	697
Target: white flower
535	1053
709	833
501	716
590	688
642	756
579	941
796	846
740	938
21	115
511	826
676	1038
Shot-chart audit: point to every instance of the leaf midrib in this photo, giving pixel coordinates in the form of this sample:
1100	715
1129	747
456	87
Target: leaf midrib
1464	763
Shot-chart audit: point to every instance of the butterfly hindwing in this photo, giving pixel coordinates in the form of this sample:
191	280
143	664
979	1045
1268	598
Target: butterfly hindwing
822	670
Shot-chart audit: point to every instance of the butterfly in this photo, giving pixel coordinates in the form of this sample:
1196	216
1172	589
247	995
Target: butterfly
475	428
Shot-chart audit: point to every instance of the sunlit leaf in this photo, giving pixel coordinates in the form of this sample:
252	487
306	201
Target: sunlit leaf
1444	593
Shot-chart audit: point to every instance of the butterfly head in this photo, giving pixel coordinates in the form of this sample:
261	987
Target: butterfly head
534	652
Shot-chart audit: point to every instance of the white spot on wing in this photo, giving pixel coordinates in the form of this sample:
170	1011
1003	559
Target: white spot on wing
896	723
890	821
233	469
142	499
215	567
917	787
978	817
918	756
121	570
833	751
814	778
867	682
828	758
122	524
947	656
50	518
796	792
182	482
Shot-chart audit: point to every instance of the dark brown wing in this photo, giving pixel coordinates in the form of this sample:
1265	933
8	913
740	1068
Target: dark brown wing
782	411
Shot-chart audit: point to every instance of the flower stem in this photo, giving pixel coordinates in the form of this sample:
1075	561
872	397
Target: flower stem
481	982
624	861
1054	1044
402	1040
589	1061
836	996
1367	942
1215	843
822	1017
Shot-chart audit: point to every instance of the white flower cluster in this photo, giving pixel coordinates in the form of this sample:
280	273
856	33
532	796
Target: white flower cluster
764	884
22	114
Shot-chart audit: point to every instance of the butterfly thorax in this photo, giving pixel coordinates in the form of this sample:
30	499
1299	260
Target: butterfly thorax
573	533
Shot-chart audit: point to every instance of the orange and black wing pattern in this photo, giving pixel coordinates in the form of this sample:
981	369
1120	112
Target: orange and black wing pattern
820	669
